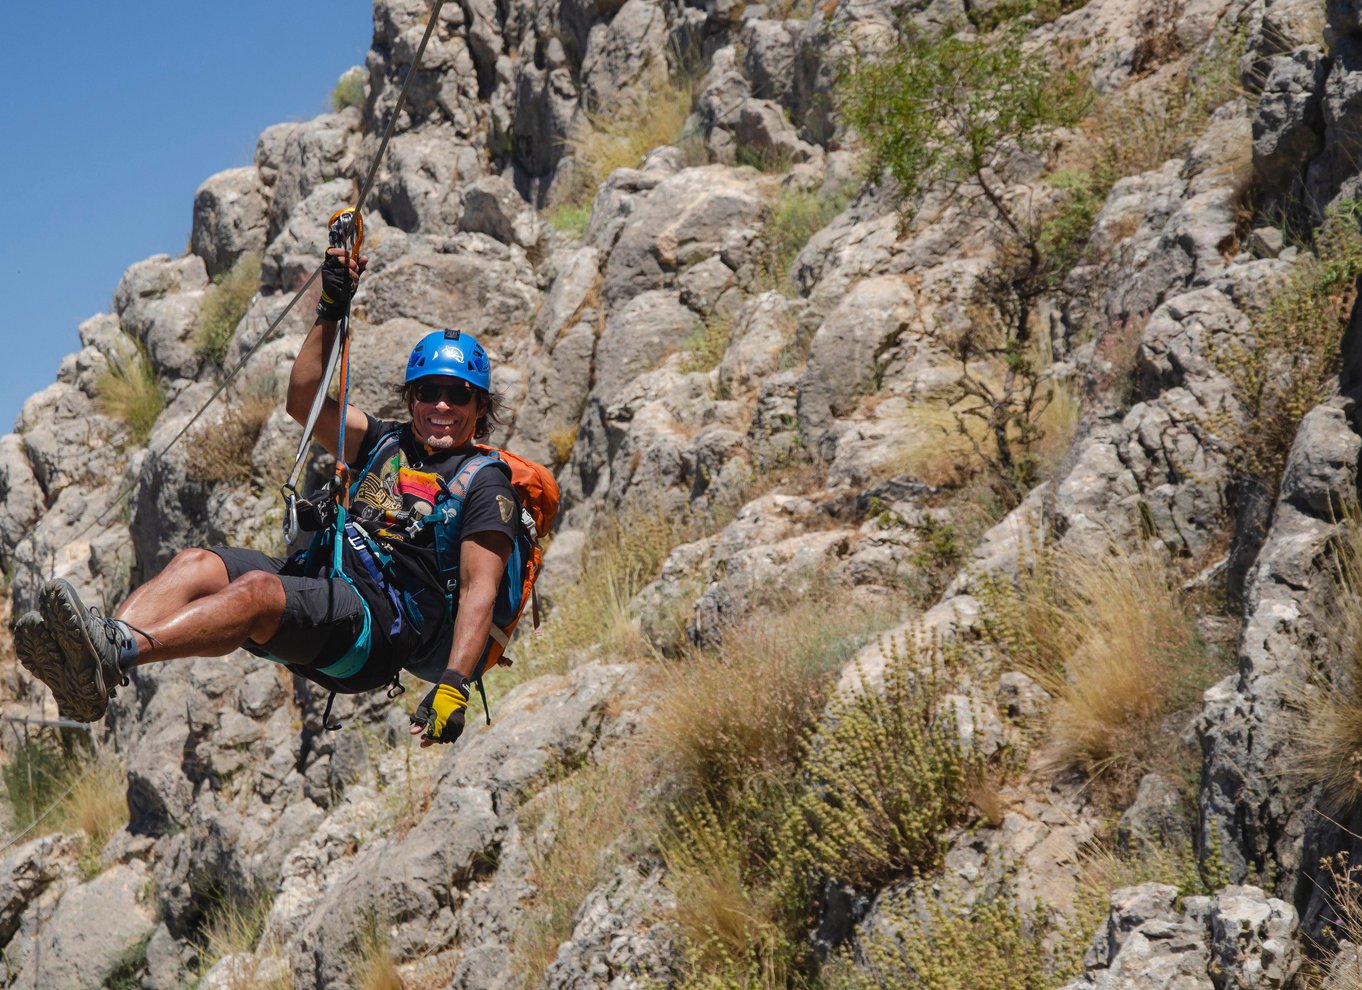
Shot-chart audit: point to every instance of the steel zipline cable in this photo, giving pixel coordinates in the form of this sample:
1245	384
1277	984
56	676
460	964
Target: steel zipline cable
231	376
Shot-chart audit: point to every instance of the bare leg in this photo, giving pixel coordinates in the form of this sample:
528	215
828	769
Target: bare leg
211	625
192	575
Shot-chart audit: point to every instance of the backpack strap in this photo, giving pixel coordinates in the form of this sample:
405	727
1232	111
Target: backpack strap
448	519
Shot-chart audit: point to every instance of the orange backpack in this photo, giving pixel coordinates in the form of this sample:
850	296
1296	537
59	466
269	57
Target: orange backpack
536	490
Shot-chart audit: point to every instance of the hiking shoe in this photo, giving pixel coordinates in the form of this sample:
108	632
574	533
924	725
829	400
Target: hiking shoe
90	642
38	651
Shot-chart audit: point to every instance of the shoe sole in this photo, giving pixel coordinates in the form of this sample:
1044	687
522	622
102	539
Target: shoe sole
64	614
42	656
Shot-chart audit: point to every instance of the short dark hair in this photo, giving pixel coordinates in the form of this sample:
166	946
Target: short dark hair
488	422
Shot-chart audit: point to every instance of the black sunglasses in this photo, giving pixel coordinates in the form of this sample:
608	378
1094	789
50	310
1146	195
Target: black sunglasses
458	394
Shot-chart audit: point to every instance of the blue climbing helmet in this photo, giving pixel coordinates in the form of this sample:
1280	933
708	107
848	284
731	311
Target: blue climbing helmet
452	353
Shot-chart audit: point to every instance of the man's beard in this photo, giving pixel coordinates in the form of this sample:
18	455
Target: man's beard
440	443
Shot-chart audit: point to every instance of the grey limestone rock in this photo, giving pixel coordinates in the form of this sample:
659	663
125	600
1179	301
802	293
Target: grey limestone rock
21	497
1158	819
25	873
844	357
763	133
89	931
1254	813
158	305
679	222
480	287
492	206
229	218
620	940
636	336
627	52
1147	943
1253	940
310	155
1288	123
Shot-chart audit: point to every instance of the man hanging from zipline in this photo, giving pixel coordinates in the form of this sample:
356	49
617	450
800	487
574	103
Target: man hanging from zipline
386	590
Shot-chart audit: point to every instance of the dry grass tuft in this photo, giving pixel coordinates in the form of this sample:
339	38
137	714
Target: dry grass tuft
782	656
221	451
128	391
581	827
619	137
82	791
1110	638
561	441
623	554
729	914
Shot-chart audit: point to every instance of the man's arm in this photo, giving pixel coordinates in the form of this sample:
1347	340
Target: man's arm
482	561
303	382
306	376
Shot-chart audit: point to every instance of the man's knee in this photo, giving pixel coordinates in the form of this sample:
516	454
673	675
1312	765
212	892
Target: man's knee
196	561
260	586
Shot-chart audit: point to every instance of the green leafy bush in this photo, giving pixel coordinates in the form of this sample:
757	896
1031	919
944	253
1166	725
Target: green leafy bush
349	90
1289	361
224	305
936	943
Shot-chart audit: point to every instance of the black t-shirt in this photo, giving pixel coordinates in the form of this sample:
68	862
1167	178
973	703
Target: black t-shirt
399	490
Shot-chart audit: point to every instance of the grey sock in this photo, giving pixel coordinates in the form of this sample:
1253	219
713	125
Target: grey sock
127	645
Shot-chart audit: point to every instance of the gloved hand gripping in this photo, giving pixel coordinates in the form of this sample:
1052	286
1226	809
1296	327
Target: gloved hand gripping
337	288
442	710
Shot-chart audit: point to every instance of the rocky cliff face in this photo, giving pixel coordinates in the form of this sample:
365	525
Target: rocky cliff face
658	362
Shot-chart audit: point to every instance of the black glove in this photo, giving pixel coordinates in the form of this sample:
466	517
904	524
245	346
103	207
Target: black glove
337	288
442	710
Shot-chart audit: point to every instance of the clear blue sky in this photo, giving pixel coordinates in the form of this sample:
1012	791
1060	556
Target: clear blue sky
113	115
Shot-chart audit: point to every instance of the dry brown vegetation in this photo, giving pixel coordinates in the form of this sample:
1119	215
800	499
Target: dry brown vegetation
583	827
619	136
221	451
1112	639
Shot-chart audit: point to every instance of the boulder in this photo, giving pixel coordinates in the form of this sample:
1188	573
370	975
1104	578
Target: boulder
492	206
229	218
93	928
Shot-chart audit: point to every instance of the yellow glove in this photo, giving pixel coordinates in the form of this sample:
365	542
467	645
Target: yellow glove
442	710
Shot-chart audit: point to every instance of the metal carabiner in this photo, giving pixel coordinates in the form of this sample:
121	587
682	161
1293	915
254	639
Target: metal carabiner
290	517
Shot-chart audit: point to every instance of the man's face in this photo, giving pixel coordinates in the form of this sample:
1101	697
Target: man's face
444	411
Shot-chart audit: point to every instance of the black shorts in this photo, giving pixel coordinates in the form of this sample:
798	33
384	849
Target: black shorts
322	619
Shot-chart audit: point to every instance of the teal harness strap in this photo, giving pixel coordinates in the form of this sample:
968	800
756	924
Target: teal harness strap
354	659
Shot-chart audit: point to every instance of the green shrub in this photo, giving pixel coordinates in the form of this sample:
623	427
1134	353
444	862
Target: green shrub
224	305
349	91
34	777
128	391
707	345
936	943
81	791
889	777
1289	361
946	108
794	218
572	219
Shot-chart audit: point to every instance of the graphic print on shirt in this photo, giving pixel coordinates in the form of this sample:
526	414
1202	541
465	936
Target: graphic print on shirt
393	498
